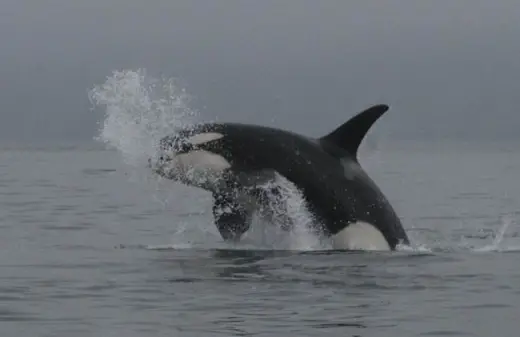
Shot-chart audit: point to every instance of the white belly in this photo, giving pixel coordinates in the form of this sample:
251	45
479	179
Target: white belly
360	236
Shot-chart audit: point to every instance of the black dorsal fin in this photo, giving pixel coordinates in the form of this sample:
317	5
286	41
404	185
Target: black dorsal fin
350	135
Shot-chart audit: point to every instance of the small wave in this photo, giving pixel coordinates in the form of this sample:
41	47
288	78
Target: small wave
169	247
97	171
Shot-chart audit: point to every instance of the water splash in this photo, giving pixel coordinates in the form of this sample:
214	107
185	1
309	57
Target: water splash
414	248
469	242
139	110
498	239
287	204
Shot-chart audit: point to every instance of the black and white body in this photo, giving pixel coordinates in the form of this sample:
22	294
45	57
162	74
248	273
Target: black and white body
233	160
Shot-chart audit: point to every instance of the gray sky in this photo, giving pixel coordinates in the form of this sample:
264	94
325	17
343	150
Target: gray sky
449	68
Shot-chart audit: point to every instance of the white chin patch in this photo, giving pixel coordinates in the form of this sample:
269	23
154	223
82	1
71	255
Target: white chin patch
201	168
360	236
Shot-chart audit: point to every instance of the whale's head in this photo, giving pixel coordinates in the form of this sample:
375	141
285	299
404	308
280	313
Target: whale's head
192	156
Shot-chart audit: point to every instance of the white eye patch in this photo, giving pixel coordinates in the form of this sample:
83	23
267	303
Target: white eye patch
202	138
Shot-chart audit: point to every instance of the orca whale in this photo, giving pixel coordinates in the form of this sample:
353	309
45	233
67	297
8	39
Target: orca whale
233	160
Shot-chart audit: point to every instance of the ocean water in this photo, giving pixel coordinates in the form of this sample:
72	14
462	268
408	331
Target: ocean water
92	244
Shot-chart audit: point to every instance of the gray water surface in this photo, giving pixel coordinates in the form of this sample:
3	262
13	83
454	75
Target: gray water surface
90	246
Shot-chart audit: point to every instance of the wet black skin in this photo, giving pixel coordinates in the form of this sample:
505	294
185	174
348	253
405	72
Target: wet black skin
326	170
